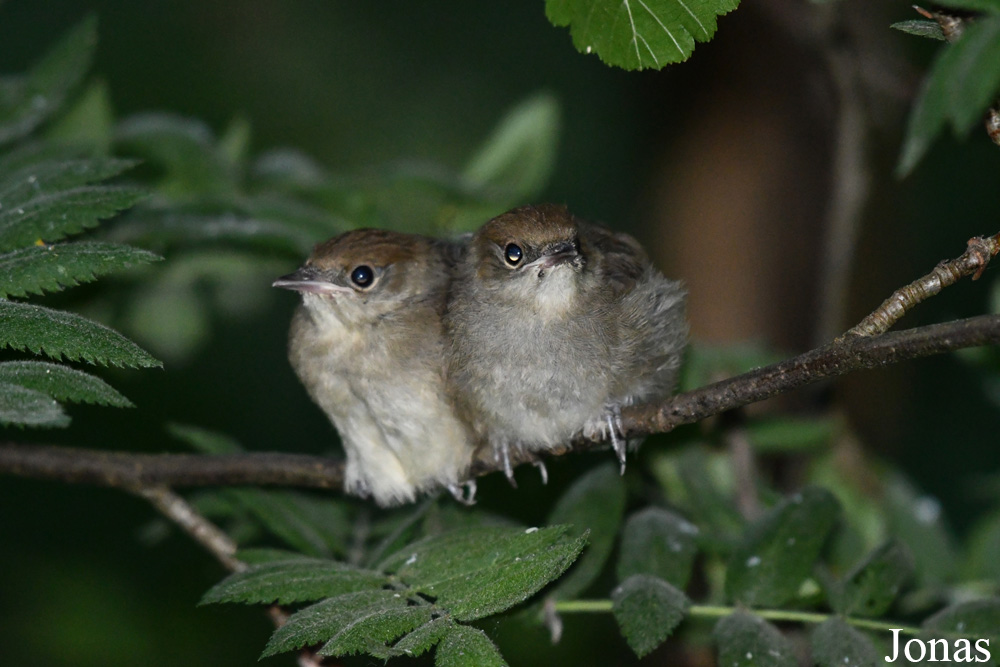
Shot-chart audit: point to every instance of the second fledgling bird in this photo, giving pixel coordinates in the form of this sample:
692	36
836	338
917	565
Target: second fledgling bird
555	325
368	344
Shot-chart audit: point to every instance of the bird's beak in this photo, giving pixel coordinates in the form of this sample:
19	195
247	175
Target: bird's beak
308	279
555	255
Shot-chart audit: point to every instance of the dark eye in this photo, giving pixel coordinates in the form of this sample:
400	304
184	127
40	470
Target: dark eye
362	276
513	254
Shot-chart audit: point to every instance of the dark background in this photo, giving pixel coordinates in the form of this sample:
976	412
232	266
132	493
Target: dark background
721	166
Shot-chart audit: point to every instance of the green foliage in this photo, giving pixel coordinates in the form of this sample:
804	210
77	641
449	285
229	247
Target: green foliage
836	644
593	505
872	586
647	610
991	6
638	35
746	640
657	542
977	618
930	29
779	551
47	193
467	647
964	80
459	575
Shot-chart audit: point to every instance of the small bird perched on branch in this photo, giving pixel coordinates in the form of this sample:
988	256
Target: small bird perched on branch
555	325
368	344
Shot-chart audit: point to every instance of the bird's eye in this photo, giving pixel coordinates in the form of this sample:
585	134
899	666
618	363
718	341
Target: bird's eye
513	254
362	276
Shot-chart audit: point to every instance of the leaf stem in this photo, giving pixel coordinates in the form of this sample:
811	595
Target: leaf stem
718	611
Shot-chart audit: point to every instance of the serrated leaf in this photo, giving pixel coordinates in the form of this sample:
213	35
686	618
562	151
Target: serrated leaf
920	28
658	542
29	101
746	640
872	586
977	618
184	148
647	610
836	644
779	551
165	229
516	161
467	647
33	178
375	628
420	640
60	334
26	407
637	34
317	527
61	382
478	572
52	216
595	503
963	81
37	269
294	580
318	622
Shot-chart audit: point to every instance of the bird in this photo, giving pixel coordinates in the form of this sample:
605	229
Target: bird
368	344
555	324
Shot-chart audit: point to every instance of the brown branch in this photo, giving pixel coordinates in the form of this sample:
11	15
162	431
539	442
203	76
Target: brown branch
136	471
863	347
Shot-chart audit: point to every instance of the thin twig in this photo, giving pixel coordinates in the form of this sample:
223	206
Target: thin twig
972	262
204	532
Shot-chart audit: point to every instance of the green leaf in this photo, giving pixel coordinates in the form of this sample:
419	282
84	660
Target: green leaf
478	572
420	640
516	161
700	483
56	333
871	587
204	440
779	551
88	122
658	542
61	382
317	527
162	229
983	552
647	610
918	522
183	148
52	216
37	269
467	647
978	618
784	434
746	640
25	103
836	644
376	628
49	176
633	34
595	503
26	407
294	580
931	29
321	621
963	81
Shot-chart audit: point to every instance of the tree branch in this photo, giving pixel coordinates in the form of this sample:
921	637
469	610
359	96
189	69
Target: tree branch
863	347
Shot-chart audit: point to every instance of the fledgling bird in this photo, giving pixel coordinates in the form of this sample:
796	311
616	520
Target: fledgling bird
368	344
555	325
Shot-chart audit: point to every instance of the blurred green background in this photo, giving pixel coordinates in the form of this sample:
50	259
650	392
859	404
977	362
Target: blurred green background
721	166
